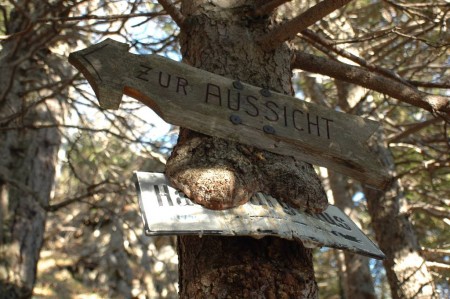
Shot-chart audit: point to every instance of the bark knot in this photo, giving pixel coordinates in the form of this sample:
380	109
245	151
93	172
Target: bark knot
220	174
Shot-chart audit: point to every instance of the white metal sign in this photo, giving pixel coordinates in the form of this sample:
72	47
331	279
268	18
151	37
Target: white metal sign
167	211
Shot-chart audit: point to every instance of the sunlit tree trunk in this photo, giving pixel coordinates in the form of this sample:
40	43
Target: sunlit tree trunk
221	38
27	151
406	270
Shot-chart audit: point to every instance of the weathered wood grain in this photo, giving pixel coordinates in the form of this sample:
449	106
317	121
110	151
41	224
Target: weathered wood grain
214	105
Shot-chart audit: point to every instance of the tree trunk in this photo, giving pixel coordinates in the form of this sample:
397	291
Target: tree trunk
27	154
243	267
406	271
220	37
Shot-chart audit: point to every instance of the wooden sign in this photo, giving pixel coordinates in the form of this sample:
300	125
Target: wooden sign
166	211
214	105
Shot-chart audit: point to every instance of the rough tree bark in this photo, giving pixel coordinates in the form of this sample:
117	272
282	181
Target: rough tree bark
405	268
27	155
221	37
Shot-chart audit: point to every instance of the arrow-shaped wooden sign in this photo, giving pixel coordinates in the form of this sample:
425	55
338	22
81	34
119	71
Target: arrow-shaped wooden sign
218	106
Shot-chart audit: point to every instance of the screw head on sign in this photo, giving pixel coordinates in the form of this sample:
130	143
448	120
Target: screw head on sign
238	85
265	92
235	119
268	129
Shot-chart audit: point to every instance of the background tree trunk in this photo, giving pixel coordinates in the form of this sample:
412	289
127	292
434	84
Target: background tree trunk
27	155
221	38
357	278
406	270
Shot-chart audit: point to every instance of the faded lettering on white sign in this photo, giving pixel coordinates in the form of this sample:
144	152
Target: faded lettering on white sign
167	211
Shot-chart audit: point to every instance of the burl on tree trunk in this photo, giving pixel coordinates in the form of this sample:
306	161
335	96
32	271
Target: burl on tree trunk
220	174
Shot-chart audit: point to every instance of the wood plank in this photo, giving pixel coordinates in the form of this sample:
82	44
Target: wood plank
218	106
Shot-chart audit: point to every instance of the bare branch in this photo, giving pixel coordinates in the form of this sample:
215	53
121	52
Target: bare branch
443	85
97	17
432	210
370	66
438	105
434	251
413	130
91	191
176	15
57	206
289	30
438	265
268	7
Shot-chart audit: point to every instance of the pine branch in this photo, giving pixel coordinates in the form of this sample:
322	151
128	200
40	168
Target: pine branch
268	7
437	105
171	9
289	30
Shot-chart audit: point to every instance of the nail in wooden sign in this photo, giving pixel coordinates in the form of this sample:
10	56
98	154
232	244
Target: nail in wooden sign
218	106
167	211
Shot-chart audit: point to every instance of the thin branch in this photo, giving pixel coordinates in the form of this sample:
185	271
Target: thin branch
289	30
434	251
91	191
443	85
438	105
436	265
173	11
413	130
425	41
268	7
330	46
97	17
57	206
83	18
432	210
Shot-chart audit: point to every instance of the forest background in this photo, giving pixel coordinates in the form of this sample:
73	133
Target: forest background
54	137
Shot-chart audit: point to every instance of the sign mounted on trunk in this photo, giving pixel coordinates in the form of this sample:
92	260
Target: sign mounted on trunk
166	211
218	106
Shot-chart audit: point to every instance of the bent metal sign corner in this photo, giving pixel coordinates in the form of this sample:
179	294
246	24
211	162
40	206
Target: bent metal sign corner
214	105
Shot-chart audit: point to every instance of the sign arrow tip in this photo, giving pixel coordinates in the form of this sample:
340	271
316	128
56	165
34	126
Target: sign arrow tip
95	64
